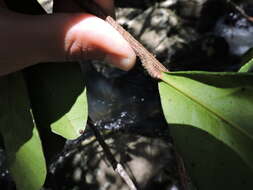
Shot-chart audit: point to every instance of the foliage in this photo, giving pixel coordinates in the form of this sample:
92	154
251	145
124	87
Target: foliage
209	114
58	100
248	67
219	104
20	135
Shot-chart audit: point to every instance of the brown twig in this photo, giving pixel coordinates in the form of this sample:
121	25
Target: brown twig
116	165
149	62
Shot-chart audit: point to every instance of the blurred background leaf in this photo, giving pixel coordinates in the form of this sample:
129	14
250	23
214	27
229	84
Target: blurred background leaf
20	135
59	98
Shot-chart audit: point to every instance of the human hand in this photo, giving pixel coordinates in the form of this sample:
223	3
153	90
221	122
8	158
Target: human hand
55	37
92	38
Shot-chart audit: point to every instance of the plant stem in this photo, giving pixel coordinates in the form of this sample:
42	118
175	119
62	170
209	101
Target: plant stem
116	165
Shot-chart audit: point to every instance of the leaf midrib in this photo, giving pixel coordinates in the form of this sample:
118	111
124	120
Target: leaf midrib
209	110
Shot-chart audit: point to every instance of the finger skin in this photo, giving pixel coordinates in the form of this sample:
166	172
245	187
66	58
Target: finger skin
27	40
91	36
96	44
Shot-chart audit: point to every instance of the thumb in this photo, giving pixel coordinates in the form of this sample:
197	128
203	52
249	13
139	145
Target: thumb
92	37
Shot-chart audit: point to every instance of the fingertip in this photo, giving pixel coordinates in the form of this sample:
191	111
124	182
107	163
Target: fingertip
123	63
92	36
127	63
108	40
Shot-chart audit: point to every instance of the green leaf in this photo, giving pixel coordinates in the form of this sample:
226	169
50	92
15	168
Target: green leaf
20	135
248	67
220	105
210	163
59	98
246	57
70	125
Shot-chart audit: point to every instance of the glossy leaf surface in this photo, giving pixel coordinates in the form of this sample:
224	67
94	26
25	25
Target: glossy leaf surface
73	122
216	112
248	67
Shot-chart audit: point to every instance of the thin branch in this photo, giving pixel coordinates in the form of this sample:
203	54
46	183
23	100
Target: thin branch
149	62
116	165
